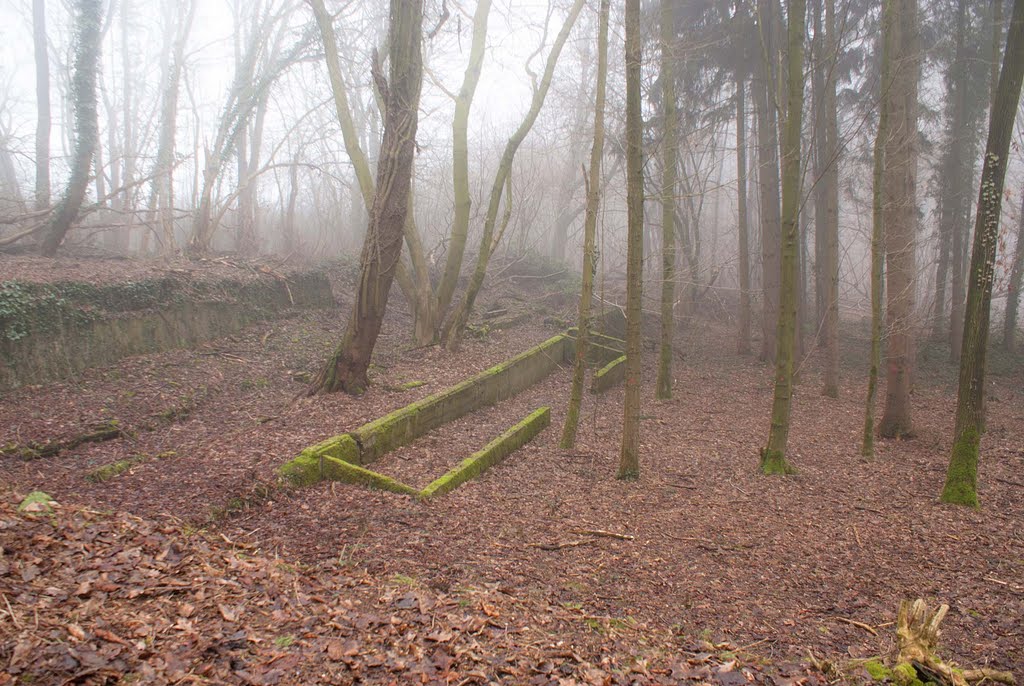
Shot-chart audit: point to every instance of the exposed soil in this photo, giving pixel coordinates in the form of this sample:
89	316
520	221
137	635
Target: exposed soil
773	566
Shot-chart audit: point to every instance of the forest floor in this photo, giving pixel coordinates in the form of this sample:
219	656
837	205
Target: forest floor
188	568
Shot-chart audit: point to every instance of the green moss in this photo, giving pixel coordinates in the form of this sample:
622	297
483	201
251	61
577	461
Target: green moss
877	670
608	376
336	470
962	477
493	453
284	641
904	674
303	470
109	471
409	385
774	463
37	502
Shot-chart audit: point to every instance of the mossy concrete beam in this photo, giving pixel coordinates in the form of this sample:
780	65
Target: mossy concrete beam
337	470
485	389
610	375
493	453
307	468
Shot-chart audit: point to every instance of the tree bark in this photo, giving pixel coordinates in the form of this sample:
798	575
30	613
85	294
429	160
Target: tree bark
382	248
460	160
42	56
629	456
885	96
457	320
663	384
962	475
900	208
1013	293
87	54
773	456
743	339
768	178
572	413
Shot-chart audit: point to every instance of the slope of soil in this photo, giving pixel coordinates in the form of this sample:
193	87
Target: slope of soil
704	547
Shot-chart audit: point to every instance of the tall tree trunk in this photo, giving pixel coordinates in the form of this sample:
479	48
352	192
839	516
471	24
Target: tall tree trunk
1013	293
743	340
460	160
878	216
457	320
179	21
87	55
773	456
629	456
572	414
953	183
382	249
962	476
900	208
42	104
830	181
663	387
768	178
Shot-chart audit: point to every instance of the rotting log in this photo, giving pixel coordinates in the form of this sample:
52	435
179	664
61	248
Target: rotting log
491	454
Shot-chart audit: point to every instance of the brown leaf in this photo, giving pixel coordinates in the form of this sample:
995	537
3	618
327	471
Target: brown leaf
489	609
227	613
76	632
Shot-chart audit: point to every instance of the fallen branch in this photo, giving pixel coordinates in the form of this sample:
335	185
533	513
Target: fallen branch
600	532
973	675
860	625
559	546
33	450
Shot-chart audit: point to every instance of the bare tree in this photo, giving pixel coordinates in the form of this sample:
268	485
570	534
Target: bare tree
382	248
42	104
87	53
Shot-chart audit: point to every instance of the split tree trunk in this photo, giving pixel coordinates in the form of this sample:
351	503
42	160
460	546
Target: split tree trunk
382	247
457	320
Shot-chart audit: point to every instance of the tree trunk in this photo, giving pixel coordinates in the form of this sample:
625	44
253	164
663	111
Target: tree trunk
42	104
743	340
830	181
382	248
878	216
629	457
900	208
457	320
962	476
87	54
768	178
1013	293
663	387
773	457
572	413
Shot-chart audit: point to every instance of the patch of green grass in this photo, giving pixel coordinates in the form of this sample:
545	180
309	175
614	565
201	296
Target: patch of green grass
403	580
284	641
